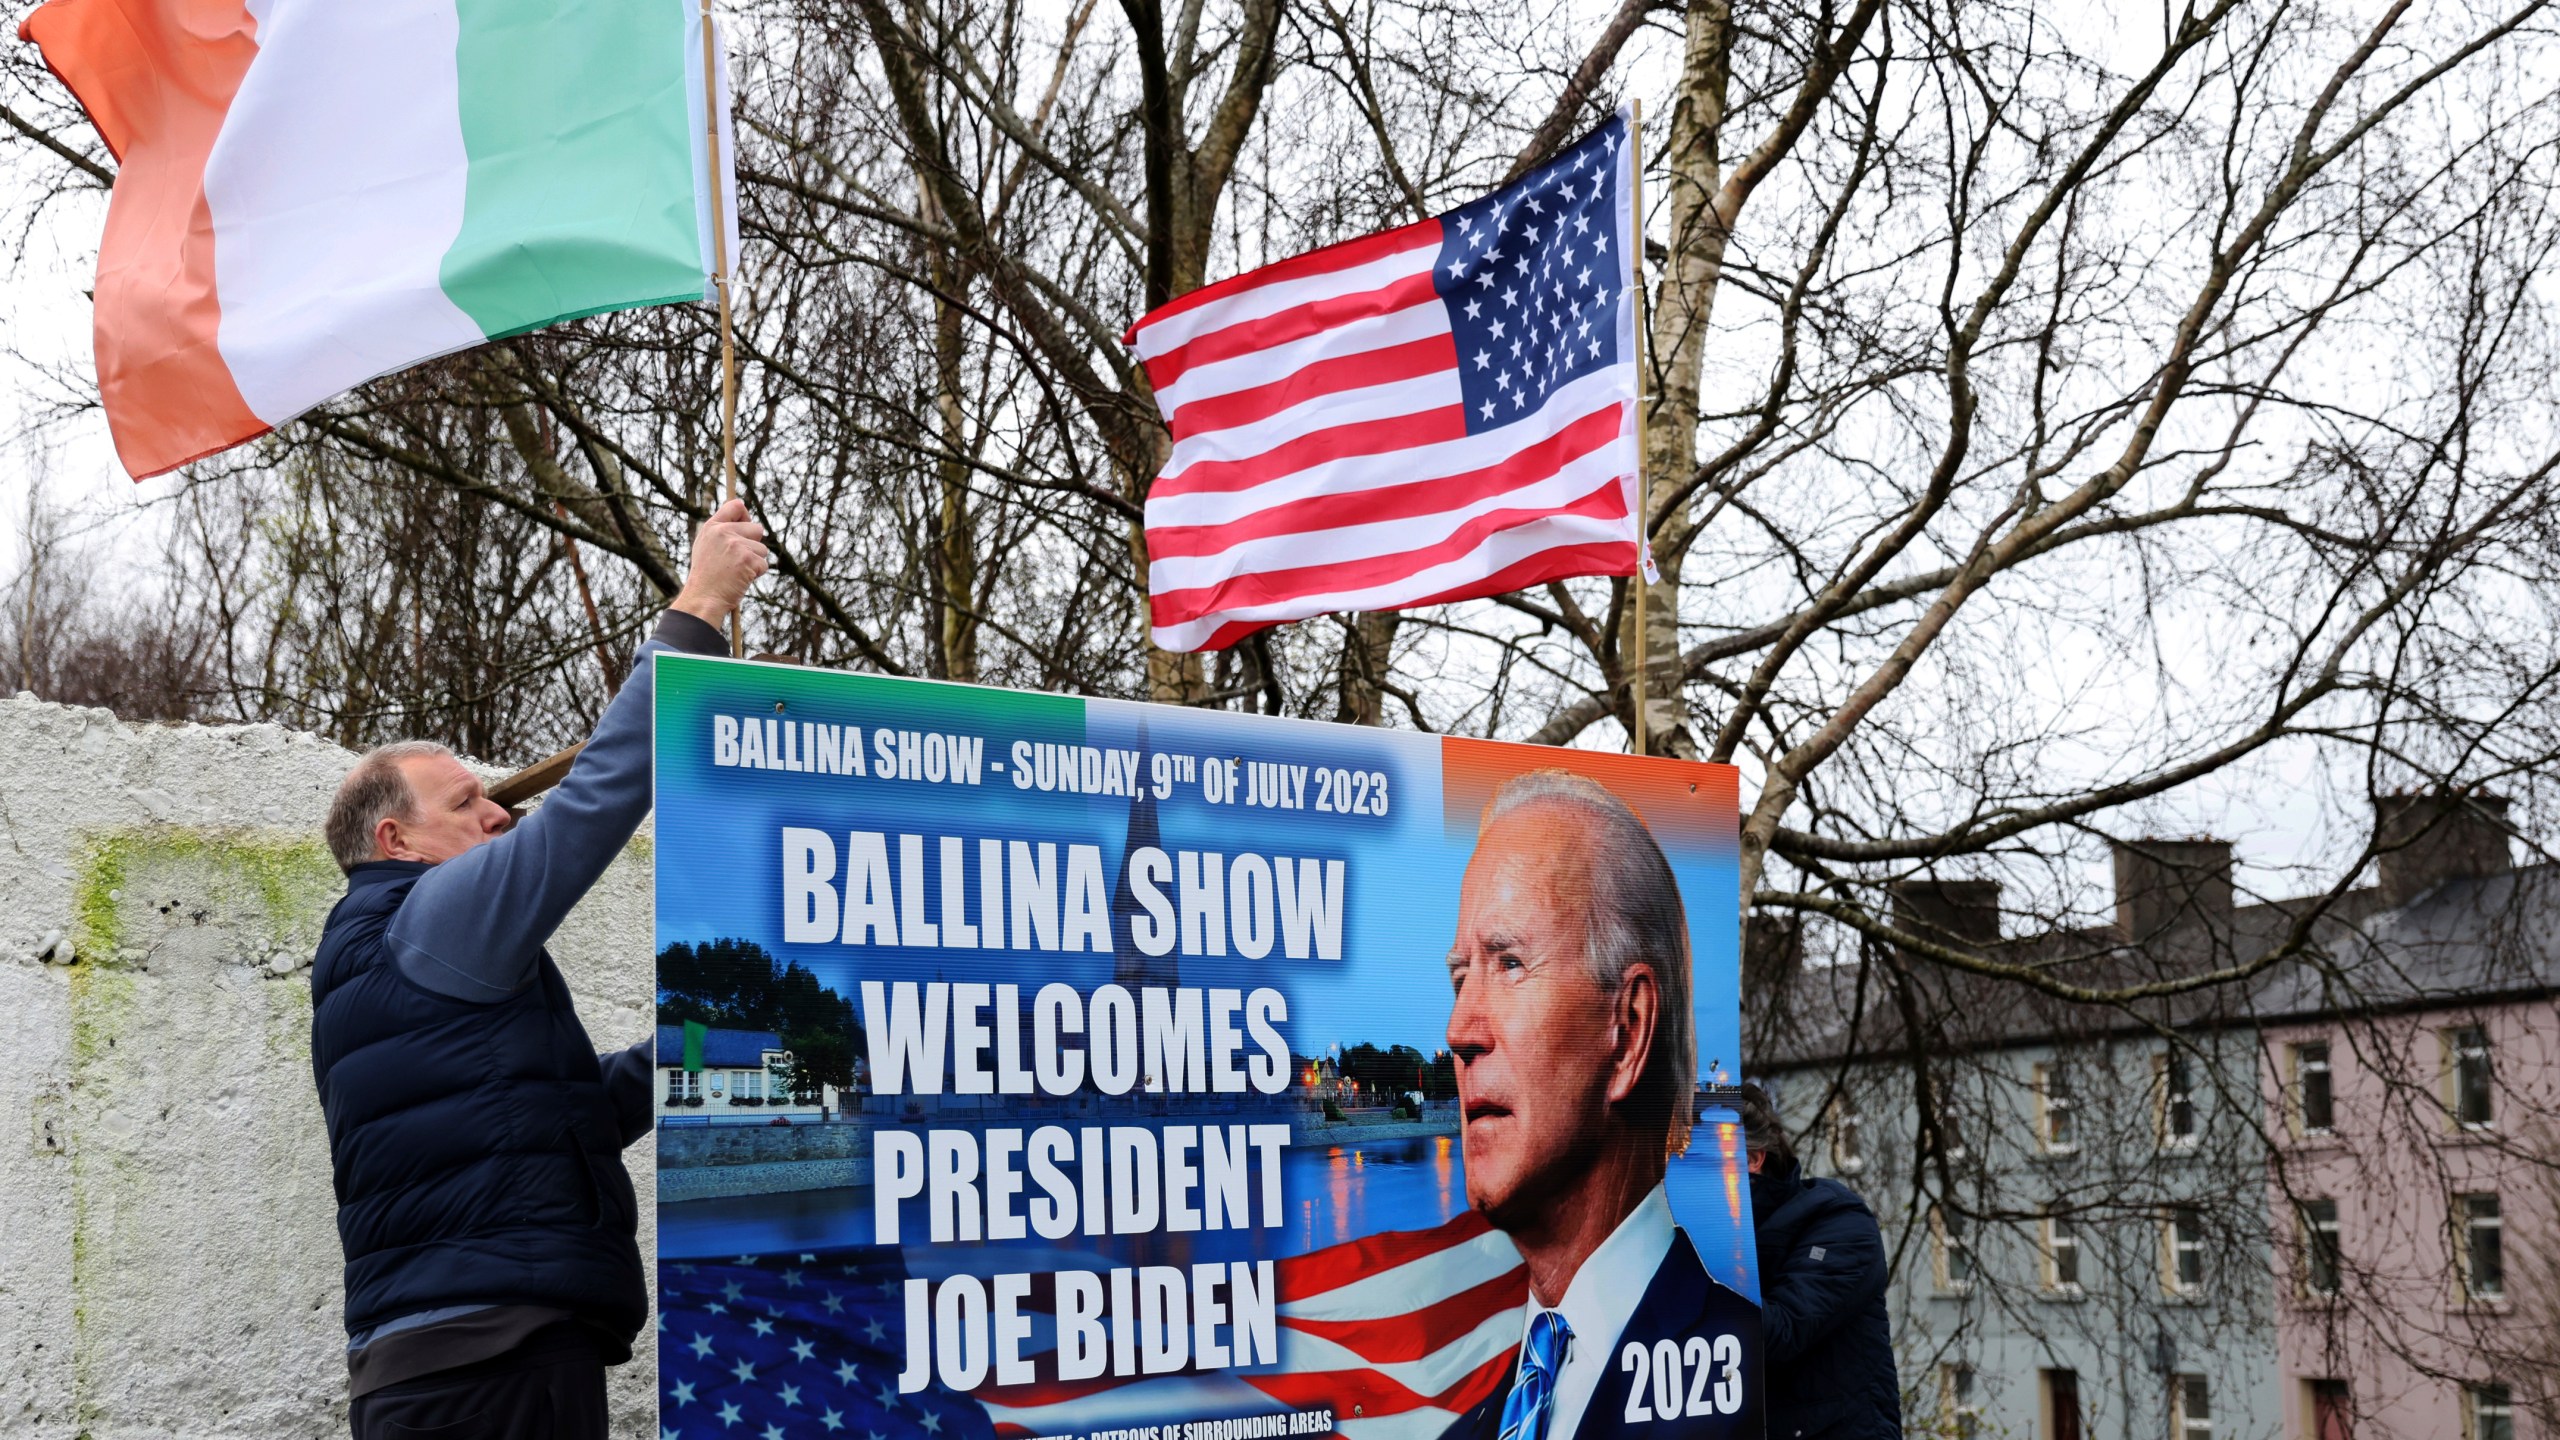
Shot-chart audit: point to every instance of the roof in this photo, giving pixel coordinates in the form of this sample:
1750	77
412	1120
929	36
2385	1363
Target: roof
725	1048
2467	940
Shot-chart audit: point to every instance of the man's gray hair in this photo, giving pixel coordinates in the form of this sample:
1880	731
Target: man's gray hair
374	789
1633	912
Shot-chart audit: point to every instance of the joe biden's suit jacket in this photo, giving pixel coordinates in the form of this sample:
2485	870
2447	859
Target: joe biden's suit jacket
1701	1322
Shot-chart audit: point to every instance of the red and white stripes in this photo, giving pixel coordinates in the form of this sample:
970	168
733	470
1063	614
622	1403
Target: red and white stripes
1323	461
1398	1333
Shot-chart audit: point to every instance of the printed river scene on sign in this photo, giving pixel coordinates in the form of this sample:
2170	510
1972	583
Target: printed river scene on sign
1336	1193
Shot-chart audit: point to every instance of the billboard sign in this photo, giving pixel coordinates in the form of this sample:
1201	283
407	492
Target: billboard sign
1040	1066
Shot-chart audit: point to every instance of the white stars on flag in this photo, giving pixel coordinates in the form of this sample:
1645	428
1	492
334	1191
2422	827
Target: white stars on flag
790	1354
1555	255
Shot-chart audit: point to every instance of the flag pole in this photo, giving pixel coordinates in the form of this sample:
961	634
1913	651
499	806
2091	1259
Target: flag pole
720	282
1644	494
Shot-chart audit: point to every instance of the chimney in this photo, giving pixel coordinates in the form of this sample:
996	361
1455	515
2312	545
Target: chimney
1959	914
2166	884
2429	837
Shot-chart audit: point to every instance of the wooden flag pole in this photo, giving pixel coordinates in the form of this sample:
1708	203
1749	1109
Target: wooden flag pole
720	282
513	791
1644	495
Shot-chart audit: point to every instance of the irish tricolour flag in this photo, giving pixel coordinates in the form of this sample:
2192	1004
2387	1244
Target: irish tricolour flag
312	193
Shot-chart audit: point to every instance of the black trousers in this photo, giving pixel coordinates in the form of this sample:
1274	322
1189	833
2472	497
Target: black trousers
551	1387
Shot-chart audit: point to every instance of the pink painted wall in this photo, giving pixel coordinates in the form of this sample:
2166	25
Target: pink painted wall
2399	1333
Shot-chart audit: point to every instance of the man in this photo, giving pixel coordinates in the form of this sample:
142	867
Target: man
491	1267
1576	1057
1822	1282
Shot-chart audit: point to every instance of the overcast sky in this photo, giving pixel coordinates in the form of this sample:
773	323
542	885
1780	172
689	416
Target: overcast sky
2286	809
48	329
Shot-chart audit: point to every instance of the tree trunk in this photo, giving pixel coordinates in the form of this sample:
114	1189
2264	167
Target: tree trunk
1677	324
1185	182
1366	648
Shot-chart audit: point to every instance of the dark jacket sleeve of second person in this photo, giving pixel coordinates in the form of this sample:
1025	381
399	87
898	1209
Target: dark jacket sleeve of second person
629	1076
1833	1271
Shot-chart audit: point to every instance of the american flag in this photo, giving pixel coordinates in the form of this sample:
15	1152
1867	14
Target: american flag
1398	1333
1439	412
804	1344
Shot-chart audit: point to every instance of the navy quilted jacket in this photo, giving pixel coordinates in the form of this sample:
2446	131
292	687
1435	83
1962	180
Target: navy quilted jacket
475	1135
1827	1345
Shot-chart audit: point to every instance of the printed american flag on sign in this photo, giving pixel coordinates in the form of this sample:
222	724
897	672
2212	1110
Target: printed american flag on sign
1397	1333
1439	412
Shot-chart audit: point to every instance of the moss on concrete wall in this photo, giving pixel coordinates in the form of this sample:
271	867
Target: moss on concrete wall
281	883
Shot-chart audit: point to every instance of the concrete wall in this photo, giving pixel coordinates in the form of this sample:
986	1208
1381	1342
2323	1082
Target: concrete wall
169	1262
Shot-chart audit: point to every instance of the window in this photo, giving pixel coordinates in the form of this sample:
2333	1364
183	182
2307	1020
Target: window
2489	1413
2314	1104
1959	1403
2320	1258
1950	1251
2333	1415
2061	1254
2480	1246
2055	1127
2190	1409
1941	1131
2467	1073
683	1085
2062	1418
1842	1125
2182	1250
746	1085
1951	1135
2175	1075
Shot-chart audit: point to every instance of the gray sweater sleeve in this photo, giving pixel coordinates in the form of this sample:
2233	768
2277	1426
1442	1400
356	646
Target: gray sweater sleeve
471	926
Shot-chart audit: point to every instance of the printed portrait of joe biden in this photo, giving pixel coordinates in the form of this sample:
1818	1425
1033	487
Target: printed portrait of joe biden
1572	1025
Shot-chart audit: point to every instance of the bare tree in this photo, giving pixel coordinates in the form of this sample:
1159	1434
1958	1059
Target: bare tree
2053	423
139	651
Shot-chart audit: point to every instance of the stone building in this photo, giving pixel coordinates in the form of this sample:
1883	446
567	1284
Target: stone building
2413	1192
2097	1213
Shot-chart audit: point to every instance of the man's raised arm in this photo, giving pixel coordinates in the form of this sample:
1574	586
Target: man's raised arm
474	923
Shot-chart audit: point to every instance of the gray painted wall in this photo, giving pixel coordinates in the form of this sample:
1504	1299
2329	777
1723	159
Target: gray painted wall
2007	1325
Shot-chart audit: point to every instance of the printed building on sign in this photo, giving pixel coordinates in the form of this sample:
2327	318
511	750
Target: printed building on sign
745	1079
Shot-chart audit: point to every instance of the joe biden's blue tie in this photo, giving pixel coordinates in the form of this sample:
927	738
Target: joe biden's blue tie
1533	1391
